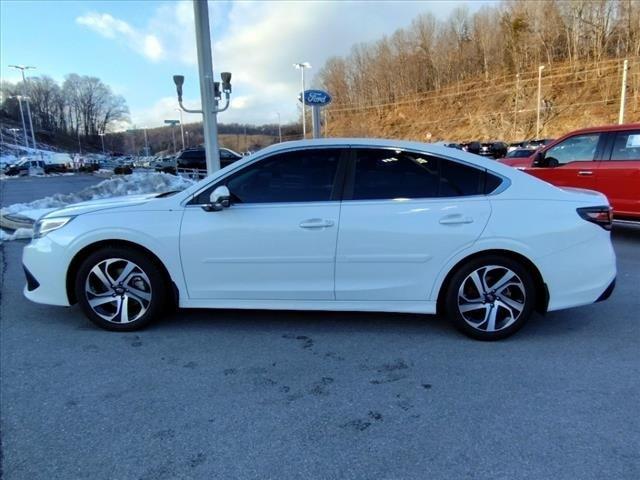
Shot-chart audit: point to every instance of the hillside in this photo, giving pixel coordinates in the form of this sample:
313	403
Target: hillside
500	107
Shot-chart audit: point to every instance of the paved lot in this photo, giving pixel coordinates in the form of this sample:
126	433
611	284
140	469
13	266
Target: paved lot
280	395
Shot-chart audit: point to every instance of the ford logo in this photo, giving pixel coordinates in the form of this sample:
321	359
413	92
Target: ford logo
316	97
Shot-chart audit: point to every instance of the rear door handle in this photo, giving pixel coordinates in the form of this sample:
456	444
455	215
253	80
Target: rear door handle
316	223
455	220
585	173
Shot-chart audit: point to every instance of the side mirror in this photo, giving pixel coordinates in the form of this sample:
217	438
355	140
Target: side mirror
220	198
538	160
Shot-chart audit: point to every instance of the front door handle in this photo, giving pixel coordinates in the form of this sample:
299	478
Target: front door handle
316	223
456	219
585	173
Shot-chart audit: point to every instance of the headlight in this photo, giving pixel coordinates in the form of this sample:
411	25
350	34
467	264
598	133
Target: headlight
46	225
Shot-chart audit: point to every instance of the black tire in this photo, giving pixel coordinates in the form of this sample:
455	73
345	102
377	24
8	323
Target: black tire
521	291
146	278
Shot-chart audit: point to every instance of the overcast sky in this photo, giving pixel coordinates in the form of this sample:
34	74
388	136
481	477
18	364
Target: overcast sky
136	46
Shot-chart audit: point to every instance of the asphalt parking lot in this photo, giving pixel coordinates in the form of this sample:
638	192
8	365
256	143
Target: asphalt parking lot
281	395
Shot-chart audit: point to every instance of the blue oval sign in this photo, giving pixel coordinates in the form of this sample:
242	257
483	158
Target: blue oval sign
316	97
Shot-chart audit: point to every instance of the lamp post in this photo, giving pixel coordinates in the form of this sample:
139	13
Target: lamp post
24	129
146	143
279	127
301	66
22	68
181	127
101	135
540	68
173	124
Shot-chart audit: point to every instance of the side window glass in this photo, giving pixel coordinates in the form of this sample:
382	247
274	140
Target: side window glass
580	148
389	174
457	179
626	146
298	176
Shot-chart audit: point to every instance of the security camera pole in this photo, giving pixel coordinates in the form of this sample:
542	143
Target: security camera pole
22	68
209	90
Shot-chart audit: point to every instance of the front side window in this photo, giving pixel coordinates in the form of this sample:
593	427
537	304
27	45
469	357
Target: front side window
626	146
390	174
579	148
298	176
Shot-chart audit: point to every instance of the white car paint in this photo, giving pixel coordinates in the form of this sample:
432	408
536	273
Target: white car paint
391	255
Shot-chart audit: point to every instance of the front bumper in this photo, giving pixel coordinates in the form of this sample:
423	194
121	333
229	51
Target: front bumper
47	263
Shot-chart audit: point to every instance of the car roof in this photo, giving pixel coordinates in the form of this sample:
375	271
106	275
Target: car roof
606	128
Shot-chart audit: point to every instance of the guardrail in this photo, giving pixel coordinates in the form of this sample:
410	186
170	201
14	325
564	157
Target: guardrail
192	173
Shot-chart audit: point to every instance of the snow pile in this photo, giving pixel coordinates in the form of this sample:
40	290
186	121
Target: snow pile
134	184
17	235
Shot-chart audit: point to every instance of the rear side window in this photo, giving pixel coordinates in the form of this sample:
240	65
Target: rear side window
458	180
389	174
386	174
626	146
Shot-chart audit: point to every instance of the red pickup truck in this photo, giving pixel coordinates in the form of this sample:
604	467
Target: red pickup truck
606	159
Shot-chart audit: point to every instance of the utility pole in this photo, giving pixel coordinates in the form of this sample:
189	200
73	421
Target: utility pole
22	68
207	87
301	66
623	91
181	128
540	68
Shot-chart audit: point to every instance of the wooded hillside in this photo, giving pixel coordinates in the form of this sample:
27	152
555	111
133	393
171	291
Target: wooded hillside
475	76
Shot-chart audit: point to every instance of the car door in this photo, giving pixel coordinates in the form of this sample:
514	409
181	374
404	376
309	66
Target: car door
619	173
277	240
573	162
403	215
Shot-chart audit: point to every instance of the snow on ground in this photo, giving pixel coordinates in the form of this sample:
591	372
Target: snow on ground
136	183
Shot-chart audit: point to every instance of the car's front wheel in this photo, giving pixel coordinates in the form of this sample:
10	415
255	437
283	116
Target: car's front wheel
120	289
491	297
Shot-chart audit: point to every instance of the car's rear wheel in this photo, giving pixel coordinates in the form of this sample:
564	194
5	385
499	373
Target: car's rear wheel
491	297
120	289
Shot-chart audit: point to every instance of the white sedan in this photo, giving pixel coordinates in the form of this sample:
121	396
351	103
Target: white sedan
334	224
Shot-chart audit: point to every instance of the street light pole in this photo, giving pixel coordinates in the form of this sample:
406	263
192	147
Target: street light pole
301	66
173	124
22	68
623	91
279	127
181	127
24	129
101	135
146	143
540	68
207	87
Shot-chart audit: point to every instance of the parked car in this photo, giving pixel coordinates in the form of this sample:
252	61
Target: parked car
334	224
493	149
165	164
26	166
519	153
195	159
605	159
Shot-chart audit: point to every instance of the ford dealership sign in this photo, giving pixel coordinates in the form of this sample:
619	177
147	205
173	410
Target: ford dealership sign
318	98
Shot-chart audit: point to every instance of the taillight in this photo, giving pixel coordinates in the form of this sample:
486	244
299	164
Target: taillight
599	215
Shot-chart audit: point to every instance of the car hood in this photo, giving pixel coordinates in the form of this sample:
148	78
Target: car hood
102	204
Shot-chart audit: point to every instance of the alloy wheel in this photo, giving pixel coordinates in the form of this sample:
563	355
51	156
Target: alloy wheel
118	290
491	298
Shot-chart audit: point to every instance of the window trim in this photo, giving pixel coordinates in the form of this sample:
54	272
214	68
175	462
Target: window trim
350	175
336	191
